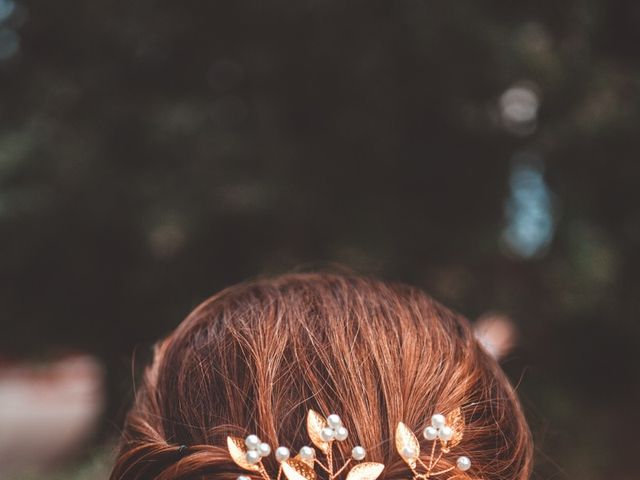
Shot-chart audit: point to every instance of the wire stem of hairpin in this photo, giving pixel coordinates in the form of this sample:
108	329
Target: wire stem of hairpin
323	432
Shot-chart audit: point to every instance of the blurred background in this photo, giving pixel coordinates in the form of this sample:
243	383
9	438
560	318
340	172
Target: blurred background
153	152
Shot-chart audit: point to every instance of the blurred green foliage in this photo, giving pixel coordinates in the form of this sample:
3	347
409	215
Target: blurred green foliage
152	152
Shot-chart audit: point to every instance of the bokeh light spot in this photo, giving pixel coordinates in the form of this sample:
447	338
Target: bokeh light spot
7	7
529	208
9	43
519	109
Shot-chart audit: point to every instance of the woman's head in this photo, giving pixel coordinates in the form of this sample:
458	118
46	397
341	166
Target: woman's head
257	356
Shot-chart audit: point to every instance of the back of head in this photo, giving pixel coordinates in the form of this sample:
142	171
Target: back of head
257	356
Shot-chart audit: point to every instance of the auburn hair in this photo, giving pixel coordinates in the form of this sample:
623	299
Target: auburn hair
257	356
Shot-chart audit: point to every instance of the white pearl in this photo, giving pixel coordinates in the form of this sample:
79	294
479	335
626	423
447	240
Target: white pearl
243	477
409	452
282	454
307	453
445	433
430	433
328	434
334	421
252	442
358	452
438	421
342	434
253	456
463	463
264	449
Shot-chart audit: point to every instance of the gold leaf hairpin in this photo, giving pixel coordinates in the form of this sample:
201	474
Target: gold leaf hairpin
323	432
445	432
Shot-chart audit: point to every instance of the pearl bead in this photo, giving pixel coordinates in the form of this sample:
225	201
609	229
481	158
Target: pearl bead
252	442
243	477
334	421
463	463
438	421
358	452
253	456
341	434
445	433
307	453
282	454
328	434
430	433
264	449
409	452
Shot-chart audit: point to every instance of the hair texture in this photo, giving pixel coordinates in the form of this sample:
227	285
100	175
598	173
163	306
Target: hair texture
257	356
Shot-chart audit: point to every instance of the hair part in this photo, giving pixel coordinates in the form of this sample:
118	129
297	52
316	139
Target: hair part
257	356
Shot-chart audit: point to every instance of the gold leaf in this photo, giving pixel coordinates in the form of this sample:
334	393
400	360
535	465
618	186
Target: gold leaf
455	420
315	424
365	471
308	462
297	469
406	438
238	453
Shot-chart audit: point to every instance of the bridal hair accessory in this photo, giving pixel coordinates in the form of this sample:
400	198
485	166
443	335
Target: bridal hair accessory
323	432
445	432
